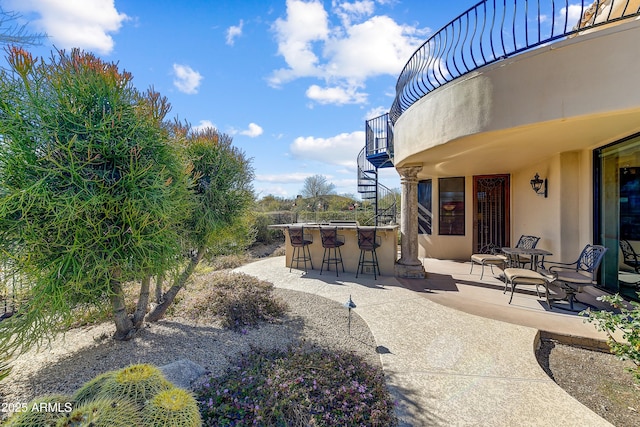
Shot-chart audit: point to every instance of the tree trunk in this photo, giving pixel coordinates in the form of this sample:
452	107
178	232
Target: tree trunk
159	282
124	326
143	303
168	297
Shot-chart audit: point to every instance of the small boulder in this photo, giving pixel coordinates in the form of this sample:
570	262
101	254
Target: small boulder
182	373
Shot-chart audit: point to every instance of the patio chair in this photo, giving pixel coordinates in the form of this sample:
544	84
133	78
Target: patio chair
630	257
525	242
298	241
488	256
576	275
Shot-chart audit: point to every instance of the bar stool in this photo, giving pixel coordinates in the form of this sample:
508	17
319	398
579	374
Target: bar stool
367	242
299	241
331	241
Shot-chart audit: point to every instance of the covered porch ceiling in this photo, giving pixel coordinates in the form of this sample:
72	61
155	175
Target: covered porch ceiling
509	150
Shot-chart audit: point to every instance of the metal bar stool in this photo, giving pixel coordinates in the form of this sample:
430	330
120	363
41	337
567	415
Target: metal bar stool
331	241
367	242
299	241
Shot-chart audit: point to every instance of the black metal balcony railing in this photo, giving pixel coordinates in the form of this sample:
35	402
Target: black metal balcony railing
496	29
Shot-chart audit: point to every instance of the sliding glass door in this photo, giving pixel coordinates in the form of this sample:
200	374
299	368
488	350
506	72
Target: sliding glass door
617	177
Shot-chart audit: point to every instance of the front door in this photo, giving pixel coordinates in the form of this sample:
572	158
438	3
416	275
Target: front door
491	224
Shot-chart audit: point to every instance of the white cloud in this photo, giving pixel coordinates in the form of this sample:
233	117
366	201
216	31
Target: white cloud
186	79
233	32
273	190
376	112
374	47
287	178
306	22
343	55
336	95
573	16
253	131
87	24
356	10
339	150
203	125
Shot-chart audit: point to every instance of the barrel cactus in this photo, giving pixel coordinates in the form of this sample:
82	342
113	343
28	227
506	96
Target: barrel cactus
172	408
90	390
103	412
137	383
42	411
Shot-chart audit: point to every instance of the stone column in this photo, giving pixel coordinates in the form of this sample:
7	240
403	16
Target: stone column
409	266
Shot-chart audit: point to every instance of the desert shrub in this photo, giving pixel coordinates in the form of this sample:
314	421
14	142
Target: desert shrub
281	251
298	387
625	319
264	234
238	299
227	262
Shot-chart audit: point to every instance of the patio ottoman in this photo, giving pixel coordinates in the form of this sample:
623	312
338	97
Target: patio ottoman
487	259
524	276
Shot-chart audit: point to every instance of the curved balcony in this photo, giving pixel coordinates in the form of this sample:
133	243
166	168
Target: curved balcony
493	30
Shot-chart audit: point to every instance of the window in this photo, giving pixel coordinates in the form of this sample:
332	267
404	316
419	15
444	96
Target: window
425	215
451	198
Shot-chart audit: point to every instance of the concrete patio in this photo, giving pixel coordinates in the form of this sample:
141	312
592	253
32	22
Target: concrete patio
455	352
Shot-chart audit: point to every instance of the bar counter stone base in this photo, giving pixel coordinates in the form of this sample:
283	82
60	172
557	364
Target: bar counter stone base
410	271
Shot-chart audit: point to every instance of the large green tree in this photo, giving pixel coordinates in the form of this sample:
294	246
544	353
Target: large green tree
92	190
223	194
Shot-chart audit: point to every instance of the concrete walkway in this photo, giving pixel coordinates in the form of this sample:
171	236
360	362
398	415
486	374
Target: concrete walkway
445	366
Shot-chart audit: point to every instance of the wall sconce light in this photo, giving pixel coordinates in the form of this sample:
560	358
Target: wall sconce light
539	185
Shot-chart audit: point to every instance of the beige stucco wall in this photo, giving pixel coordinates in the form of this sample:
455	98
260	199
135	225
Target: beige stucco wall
562	220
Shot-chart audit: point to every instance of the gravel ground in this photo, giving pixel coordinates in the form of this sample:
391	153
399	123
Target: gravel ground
69	361
594	378
598	380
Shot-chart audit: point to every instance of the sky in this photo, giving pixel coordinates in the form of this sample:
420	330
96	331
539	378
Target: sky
292	81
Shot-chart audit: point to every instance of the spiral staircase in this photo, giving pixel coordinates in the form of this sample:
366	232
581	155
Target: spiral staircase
377	153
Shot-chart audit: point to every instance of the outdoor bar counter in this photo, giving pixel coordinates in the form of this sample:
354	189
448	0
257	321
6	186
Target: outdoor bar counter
387	236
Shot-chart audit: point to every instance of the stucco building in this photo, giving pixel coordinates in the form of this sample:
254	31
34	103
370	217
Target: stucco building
508	94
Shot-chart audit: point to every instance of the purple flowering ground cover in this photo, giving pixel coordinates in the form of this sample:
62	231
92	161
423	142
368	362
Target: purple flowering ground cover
300	386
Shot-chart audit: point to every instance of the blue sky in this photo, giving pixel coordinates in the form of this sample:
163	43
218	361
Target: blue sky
292	81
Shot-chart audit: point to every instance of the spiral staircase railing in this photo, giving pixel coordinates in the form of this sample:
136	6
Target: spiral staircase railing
382	198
